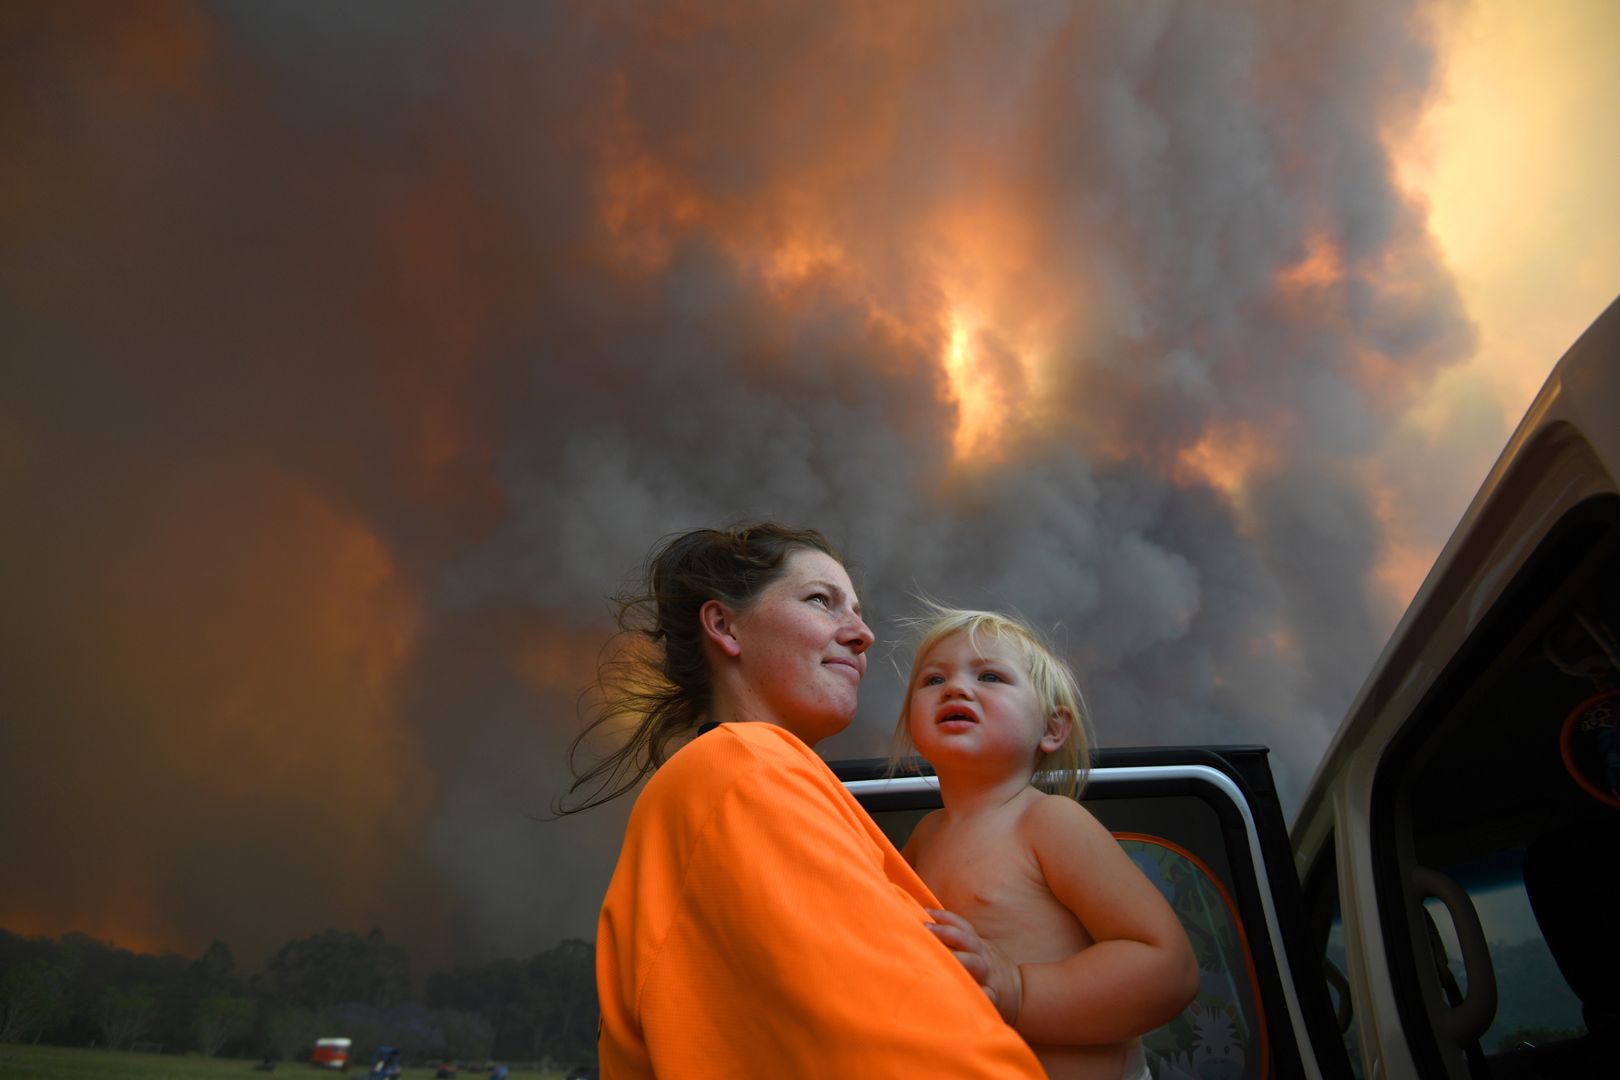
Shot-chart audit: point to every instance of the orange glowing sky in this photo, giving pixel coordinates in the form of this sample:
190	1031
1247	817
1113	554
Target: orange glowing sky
1515	166
355	363
1517	163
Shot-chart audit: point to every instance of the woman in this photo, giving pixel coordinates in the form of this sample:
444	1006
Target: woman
758	922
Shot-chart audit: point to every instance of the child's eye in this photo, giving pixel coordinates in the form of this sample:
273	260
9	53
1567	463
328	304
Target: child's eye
990	676
932	680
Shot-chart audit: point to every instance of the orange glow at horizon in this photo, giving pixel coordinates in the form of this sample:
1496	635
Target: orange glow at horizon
29	923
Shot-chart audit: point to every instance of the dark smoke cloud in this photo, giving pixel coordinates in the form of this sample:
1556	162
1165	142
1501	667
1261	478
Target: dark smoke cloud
357	354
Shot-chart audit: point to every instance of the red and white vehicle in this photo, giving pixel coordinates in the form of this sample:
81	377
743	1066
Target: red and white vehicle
331	1053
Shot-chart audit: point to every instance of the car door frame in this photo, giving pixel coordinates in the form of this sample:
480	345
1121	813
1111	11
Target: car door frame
1235	783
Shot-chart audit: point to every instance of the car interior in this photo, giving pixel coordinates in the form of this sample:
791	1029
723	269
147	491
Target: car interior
1496	822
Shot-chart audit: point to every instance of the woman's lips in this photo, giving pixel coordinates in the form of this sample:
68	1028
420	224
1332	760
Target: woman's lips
847	664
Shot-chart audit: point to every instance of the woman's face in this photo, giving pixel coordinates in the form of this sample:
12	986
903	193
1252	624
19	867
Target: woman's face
802	648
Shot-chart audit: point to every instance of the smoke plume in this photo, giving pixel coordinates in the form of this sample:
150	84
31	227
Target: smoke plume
357	354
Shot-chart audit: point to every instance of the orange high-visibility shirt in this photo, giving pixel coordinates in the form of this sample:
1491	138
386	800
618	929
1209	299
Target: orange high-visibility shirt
760	924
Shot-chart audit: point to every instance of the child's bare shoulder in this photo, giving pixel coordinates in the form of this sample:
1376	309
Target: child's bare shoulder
1054	817
929	822
921	833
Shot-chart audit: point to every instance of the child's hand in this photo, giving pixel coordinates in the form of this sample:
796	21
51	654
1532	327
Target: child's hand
1001	979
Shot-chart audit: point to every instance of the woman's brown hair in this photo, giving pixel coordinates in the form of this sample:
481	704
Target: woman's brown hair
656	675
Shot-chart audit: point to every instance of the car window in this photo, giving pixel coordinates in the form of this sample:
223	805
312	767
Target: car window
1535	1006
1222	1033
1326	921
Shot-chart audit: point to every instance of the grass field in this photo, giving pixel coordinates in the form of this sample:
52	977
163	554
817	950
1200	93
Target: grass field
72	1063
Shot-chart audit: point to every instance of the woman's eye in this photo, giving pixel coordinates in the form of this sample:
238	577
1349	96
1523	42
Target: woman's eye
821	598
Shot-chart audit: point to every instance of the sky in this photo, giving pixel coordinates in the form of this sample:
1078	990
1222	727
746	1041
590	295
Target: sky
356	354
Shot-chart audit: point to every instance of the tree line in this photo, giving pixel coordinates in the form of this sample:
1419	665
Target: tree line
78	991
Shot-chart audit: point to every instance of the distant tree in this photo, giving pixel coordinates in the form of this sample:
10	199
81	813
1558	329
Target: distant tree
408	1026
498	991
564	977
290	1031
221	1018
33	998
98	965
467	1035
216	968
124	1013
334	967
545	1007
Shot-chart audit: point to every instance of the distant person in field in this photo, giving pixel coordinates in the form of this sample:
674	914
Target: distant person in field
758	922
1079	951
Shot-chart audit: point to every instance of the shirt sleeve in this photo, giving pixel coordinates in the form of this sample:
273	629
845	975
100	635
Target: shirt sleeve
793	954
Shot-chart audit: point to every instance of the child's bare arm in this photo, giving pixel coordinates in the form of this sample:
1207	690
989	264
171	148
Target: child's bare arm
1140	973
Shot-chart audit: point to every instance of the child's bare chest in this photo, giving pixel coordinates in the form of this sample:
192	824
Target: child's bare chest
994	881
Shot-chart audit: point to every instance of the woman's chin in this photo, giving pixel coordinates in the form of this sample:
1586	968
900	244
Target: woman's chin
811	730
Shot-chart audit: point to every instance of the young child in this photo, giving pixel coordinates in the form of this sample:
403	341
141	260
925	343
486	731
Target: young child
1077	948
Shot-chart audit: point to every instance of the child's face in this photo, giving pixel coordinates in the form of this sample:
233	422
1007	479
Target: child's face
973	702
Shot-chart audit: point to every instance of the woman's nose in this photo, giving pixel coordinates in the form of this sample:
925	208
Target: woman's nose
857	636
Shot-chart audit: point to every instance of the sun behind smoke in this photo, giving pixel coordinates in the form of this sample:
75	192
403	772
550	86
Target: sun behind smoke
991	384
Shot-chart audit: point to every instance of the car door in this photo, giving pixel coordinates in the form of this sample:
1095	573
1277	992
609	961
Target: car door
1204	824
1459	843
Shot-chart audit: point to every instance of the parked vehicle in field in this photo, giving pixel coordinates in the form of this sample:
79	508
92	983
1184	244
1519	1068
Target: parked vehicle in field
331	1053
1445	904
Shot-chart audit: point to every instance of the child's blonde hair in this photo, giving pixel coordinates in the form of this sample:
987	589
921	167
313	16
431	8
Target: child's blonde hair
1062	771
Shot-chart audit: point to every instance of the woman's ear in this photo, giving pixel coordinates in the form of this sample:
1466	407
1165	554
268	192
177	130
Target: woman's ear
719	627
1059	722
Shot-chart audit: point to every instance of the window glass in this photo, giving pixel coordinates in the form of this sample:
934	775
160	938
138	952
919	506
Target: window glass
1339	991
1327	929
1534	1005
1221	1032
